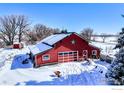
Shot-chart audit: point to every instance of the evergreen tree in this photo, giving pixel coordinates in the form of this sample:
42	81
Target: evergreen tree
115	74
64	31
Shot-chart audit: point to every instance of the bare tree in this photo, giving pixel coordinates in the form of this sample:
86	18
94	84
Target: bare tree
42	31
39	32
23	26
8	28
13	26
103	36
31	37
1	42
87	33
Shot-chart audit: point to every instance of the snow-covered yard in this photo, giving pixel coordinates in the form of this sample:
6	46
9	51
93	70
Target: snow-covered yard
107	48
13	72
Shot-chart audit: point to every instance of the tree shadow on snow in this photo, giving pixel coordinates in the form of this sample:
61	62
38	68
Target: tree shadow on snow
17	62
81	79
70	80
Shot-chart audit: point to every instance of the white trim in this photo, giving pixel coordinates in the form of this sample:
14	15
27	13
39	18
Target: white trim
95	52
35	60
86	55
67	51
80	37
69	57
46	55
77	56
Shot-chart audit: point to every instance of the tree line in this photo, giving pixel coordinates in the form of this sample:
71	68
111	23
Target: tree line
19	28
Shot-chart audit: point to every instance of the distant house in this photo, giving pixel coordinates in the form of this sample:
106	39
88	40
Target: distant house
62	47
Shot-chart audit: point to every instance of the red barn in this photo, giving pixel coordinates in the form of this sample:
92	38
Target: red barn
62	47
17	45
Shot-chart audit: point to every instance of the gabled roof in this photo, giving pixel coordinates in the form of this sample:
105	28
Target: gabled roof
48	42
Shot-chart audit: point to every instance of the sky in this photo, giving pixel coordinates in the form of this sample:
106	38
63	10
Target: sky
102	18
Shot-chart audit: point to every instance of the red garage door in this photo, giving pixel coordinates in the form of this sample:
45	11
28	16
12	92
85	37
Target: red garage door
68	56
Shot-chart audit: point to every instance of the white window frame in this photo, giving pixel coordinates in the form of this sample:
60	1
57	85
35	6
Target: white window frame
86	52
46	55
95	52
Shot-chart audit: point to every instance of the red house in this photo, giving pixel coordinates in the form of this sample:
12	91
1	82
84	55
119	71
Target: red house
62	47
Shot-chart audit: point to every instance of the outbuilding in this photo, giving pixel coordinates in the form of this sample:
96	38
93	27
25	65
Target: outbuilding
62	47
17	46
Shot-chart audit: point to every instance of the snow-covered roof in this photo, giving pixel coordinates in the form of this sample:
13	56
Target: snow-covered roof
51	40
47	43
38	48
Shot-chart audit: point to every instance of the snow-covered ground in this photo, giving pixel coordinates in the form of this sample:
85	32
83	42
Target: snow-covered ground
71	74
13	72
107	39
107	48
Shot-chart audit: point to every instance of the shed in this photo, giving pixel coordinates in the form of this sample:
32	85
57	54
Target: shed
17	46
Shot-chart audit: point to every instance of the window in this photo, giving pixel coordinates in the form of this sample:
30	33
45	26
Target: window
73	41
85	52
65	53
46	57
67	56
94	52
60	54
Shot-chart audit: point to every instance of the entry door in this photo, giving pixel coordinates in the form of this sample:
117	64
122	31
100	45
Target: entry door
68	56
85	54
